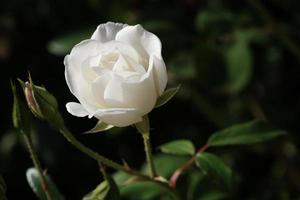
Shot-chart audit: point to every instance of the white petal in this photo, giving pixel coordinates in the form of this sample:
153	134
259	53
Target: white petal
120	47
160	74
107	32
121	64
82	51
76	109
114	94
134	65
144	42
98	88
73	72
88	71
133	94
119	117
73	62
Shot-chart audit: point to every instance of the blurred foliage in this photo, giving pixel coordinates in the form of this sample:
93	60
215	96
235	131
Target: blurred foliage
34	181
2	189
236	60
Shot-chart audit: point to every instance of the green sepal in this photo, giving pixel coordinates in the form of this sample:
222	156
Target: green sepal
166	96
143	126
99	127
21	116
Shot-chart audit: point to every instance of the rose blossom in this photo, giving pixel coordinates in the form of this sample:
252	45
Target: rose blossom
117	75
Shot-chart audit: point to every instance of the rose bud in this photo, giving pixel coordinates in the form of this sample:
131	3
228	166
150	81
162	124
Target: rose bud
42	103
31	101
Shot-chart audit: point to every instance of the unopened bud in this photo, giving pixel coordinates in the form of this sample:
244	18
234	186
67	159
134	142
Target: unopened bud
42	103
31	101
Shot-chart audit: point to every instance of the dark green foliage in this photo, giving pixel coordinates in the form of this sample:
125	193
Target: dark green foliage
216	169
178	147
243	134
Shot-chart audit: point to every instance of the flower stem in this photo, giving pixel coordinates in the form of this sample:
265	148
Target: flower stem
99	158
104	161
37	165
148	151
102	170
184	167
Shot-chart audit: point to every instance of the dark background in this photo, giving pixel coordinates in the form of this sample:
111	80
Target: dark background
236	61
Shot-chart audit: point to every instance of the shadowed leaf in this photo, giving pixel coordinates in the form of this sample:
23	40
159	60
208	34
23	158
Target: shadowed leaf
179	147
243	134
214	167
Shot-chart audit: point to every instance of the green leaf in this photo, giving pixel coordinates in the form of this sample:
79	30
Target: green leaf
144	126
239	64
148	190
107	190
63	44
114	192
34	181
243	134
100	126
2	189
142	190
214	195
122	178
194	179
214	167
20	114
166	96
179	147
99	193
163	169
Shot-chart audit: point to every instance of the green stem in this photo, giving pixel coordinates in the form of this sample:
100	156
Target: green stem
37	165
102	170
99	158
148	151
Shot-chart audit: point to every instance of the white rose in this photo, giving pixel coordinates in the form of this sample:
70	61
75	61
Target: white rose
117	75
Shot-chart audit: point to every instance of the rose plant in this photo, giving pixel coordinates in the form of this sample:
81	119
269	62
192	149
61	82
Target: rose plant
118	77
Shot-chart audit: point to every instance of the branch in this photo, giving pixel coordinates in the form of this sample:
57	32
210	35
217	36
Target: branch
185	167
